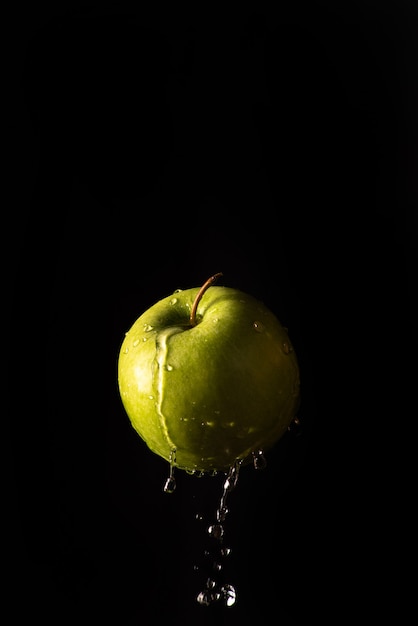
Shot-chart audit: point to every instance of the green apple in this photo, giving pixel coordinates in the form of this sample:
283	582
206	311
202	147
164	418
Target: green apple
208	377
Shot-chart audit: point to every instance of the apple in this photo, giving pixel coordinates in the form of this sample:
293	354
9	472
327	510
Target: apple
208	377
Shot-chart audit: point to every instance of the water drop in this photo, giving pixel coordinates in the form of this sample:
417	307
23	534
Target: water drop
216	531
229	595
170	483
221	513
173	301
135	343
148	328
259	460
287	348
295	427
208	596
169	367
126	351
258	326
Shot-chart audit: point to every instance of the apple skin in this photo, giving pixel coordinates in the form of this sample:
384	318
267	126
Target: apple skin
203	396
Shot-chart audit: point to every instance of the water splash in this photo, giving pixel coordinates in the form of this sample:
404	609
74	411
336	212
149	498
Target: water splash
214	590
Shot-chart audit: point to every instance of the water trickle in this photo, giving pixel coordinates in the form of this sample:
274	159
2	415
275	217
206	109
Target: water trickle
170	483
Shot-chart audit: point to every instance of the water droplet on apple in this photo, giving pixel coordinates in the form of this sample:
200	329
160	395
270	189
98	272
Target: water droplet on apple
287	348
258	326
173	301
148	328
169	367
135	343
177	290
215	320
126	351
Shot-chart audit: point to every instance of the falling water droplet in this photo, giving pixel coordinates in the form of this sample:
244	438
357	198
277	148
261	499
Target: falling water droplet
259	460
216	531
170	485
208	596
221	513
229	595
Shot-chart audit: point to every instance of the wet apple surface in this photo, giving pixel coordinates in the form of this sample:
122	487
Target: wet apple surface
208	377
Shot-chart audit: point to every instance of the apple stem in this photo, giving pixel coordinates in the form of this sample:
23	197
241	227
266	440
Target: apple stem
201	291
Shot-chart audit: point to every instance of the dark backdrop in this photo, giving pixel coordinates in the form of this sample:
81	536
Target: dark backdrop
155	148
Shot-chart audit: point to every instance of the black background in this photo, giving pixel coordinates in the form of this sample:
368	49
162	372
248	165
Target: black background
153	148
